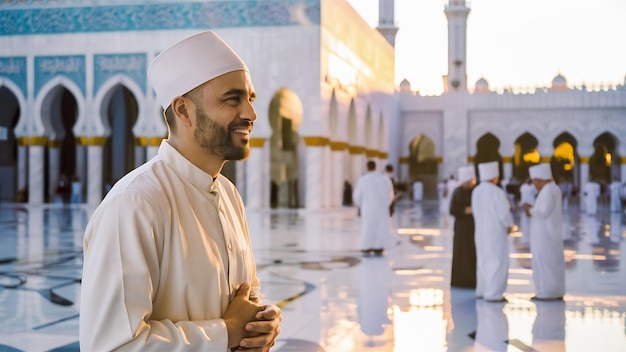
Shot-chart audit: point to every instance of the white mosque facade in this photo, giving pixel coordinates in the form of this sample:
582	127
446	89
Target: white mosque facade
75	102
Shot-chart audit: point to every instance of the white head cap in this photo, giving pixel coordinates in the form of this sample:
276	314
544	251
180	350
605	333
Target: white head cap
540	171
466	173
488	170
190	63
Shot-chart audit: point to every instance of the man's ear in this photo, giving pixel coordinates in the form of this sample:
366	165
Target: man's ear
181	107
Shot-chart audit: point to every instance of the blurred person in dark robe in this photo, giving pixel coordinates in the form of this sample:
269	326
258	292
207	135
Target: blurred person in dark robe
464	250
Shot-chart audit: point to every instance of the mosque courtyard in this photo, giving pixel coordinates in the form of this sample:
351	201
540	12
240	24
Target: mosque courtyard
333	298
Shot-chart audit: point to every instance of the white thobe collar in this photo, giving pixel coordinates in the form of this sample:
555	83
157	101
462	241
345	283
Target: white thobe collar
186	169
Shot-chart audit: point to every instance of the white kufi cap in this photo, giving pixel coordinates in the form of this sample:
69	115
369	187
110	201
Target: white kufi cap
190	63
466	173
488	170
540	171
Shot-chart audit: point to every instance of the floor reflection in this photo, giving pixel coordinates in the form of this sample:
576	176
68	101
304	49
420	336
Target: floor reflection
333	298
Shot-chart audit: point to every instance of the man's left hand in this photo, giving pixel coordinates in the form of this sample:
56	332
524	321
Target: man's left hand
264	330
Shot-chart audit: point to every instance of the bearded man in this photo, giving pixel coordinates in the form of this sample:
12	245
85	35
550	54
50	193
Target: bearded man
168	264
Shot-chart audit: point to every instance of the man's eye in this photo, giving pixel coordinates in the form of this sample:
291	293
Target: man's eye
233	100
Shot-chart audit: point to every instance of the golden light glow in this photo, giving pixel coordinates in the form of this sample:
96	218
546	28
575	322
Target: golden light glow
426	297
413	231
532	157
608	158
433	248
565	151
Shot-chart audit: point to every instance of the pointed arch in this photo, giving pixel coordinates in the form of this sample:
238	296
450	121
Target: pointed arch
382	132
605	162
352	123
285	117
565	161
120	112
368	128
487	150
526	155
333	117
423	165
9	116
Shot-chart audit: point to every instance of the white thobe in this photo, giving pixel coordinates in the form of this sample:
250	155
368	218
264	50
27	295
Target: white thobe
592	191
373	193
163	255
528	192
492	219
616	196
548	261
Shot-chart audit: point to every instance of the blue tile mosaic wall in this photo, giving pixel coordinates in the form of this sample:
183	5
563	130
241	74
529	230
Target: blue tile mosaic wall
158	16
14	69
130	65
49	67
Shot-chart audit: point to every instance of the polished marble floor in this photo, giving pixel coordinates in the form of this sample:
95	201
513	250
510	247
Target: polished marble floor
333	298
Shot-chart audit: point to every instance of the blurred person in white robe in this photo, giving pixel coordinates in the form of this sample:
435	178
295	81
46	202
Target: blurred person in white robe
373	194
493	223
528	192
168	264
546	222
615	191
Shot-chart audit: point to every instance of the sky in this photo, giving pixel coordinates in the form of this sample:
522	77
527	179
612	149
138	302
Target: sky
518	44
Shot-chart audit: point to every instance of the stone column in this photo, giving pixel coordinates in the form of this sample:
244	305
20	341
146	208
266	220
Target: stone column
81	162
584	172
152	148
314	171
22	164
256	181
94	169
328	165
54	168
339	174
140	150
357	163
36	150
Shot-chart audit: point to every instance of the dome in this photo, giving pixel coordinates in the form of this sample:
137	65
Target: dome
559	83
481	86
405	86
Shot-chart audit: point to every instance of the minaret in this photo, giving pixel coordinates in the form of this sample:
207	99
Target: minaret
386	21
456	79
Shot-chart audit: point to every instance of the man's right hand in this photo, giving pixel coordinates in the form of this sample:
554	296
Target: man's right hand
239	312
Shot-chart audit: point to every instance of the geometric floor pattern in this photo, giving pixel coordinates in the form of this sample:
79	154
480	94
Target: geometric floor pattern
335	299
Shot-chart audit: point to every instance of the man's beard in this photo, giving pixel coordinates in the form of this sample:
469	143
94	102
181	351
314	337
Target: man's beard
216	139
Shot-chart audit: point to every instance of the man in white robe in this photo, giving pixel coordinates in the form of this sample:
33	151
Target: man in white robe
528	192
615	191
168	264
546	221
373	194
493	222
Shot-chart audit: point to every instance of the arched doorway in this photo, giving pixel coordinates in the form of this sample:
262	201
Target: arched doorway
487	150
59	114
423	165
9	115
605	162
121	111
285	115
526	155
565	160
